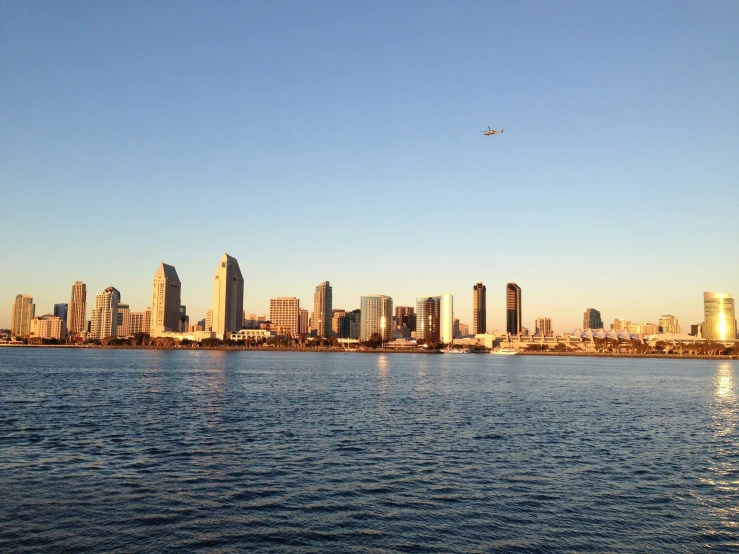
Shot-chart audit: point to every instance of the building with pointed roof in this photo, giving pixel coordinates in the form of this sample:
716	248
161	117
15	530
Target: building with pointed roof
228	297
165	301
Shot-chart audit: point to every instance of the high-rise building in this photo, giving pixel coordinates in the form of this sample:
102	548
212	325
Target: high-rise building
322	309
77	311
123	321
209	320
620	324
479	309
165	301
303	321
720	321
591	319
61	310
340	324
376	317
355	323
543	327
48	327
446	318
669	324
284	313
184	322
104	318
464	329
228	297
428	310
24	310
457	332
513	309
405	315
139	322
697	330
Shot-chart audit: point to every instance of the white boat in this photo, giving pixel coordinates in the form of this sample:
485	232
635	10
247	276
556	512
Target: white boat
504	351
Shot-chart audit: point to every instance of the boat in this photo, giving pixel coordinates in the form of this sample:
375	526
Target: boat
504	351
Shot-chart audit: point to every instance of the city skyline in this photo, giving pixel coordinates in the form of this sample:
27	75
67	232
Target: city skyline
617	129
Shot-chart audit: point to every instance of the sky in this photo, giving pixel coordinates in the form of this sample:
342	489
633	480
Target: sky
340	141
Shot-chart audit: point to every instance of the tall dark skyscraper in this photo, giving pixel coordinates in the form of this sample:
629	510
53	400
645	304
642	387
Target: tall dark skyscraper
479	309
405	315
513	308
428	311
591	319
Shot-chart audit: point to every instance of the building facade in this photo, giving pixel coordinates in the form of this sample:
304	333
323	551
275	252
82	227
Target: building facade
446	318
479	309
543	327
284	313
61	310
720	318
303	321
376	316
620	324
140	322
669	324
513	309
123	321
24	310
228	297
591	319
77	310
104	320
322	309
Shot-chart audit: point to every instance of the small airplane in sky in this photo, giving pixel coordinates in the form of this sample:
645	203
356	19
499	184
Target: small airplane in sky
491	132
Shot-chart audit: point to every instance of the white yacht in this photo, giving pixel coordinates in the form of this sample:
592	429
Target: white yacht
504	351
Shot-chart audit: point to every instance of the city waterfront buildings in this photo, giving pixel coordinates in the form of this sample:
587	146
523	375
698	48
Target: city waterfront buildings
48	326
427	319
123	321
376	316
228	297
720	319
77	310
479	309
355	323
284	313
591	319
24	310
669	324
513	309
139	322
340	324
322	309
104	320
446	318
620	324
165	301
543	327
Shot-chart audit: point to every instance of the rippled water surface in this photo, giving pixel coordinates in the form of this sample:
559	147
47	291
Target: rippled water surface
145	451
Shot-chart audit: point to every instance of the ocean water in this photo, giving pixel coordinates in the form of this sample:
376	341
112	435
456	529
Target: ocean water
165	451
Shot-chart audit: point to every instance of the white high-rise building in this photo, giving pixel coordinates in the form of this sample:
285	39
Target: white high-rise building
322	310
165	301
24	310
284	313
228	297
103	322
376	316
77	310
446	318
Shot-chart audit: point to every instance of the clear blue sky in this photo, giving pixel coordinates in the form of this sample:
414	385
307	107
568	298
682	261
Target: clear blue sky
339	140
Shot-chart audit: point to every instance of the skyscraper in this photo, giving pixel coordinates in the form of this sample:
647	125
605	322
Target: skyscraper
669	324
376	316
405	315
24	310
284	313
60	310
543	327
104	320
427	318
720	322
228	297
513	308
123	321
303	318
322	309
77	311
165	301
479	309
446	318
591	319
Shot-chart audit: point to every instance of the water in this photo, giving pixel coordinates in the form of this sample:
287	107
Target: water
144	451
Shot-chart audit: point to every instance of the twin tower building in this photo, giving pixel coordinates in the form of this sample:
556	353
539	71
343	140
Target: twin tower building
226	314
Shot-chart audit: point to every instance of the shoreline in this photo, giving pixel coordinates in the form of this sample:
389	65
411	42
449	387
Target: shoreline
378	351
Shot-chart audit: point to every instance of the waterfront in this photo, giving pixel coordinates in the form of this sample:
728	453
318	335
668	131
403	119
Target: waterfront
147	450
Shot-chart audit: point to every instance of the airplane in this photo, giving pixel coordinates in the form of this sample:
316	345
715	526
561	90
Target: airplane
491	132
